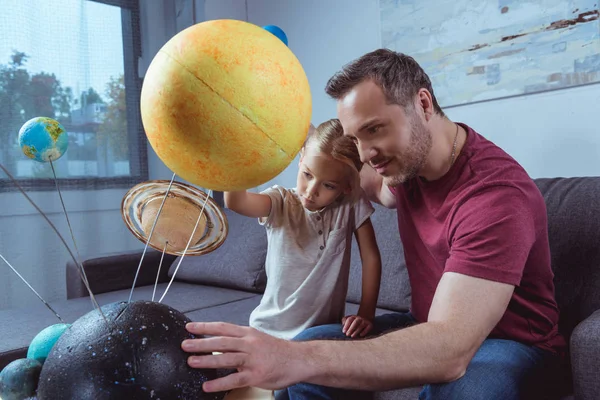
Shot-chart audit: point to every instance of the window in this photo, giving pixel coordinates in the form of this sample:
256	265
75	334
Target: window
74	61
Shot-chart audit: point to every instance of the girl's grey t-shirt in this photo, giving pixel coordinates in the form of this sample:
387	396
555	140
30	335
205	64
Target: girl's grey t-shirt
307	263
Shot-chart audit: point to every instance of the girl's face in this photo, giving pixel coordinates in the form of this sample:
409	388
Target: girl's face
321	179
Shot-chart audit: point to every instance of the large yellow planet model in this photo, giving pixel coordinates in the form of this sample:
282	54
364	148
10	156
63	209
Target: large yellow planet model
226	105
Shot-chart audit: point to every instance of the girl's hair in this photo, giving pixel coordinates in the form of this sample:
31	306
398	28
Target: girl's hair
329	138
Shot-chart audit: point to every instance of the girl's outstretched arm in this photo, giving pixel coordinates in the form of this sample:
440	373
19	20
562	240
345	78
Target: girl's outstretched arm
250	204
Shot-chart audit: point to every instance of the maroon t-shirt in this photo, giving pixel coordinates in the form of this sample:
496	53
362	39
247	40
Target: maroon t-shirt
485	218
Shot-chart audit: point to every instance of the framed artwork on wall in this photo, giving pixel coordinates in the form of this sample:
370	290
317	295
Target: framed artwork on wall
491	49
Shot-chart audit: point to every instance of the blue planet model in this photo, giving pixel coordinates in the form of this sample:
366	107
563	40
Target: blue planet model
277	31
42	343
19	379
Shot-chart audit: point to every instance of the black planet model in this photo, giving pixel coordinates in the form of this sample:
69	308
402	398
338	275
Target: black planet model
136	355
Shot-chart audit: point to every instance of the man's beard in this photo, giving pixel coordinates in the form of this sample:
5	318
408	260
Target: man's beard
414	158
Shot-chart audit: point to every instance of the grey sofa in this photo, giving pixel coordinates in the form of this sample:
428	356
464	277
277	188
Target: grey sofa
227	284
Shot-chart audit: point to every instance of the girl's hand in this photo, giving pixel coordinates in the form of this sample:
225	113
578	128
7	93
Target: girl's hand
356	326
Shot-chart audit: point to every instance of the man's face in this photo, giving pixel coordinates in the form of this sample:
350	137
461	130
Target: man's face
394	142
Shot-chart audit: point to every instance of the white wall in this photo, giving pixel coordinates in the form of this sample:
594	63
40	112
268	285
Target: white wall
550	134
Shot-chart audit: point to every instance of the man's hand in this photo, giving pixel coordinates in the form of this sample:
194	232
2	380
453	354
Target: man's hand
262	360
355	326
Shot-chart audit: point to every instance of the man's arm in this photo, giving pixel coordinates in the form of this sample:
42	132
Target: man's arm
464	311
372	183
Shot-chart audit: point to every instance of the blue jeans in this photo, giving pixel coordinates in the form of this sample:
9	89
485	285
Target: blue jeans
501	369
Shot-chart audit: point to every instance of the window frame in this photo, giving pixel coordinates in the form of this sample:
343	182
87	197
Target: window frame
136	137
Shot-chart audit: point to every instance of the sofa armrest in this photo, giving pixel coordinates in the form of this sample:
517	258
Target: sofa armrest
110	272
12	355
585	358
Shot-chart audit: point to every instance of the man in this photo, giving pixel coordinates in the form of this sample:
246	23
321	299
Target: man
483	320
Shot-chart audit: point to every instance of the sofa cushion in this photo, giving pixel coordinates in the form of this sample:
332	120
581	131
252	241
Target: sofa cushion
238	312
573	207
394	292
115	271
238	264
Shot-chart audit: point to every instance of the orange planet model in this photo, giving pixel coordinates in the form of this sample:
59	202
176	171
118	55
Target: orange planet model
226	105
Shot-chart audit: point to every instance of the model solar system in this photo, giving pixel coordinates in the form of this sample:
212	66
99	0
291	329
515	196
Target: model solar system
226	106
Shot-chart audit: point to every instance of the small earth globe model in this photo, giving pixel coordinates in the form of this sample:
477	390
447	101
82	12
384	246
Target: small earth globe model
43	139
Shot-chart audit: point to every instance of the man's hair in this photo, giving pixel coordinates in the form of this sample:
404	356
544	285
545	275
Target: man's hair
399	76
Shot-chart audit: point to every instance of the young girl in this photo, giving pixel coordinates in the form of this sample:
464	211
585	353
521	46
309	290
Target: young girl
309	231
